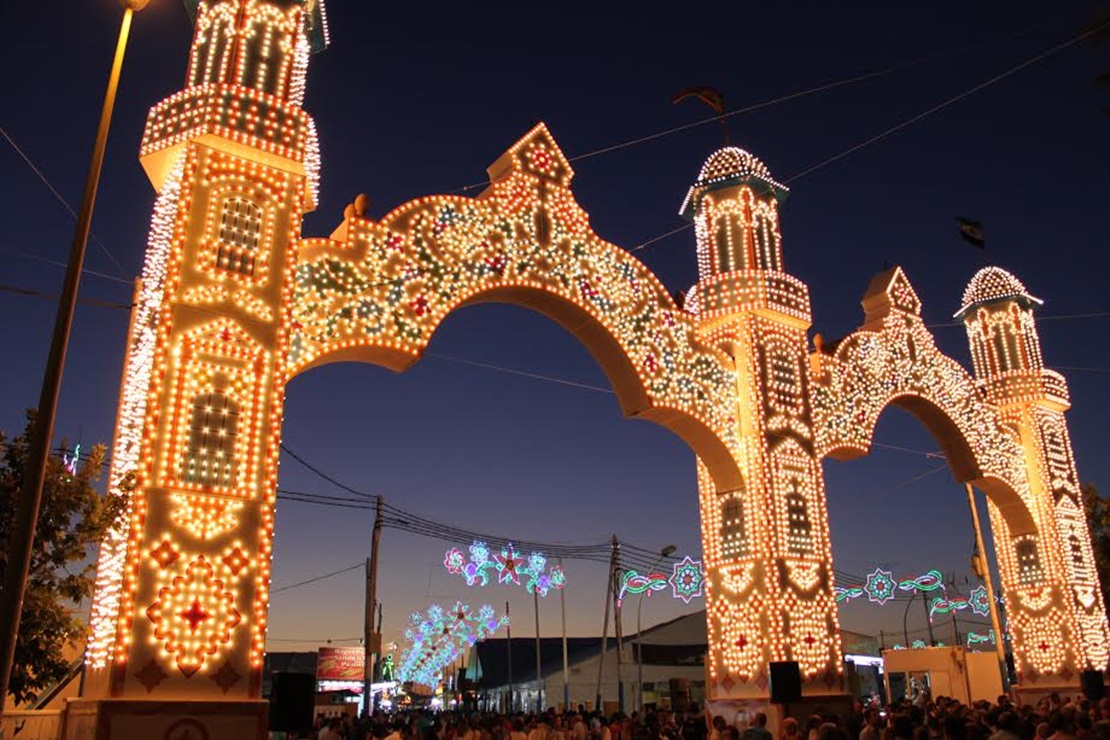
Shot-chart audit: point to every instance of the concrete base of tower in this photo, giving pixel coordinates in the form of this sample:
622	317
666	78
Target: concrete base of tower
127	719
739	712
1031	693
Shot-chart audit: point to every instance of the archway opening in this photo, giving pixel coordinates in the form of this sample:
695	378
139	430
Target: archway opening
903	513
459	440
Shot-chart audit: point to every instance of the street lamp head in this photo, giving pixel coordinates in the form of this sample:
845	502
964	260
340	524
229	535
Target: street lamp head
667	550
134	5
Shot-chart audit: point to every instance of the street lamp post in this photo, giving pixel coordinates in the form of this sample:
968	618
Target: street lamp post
38	453
639	643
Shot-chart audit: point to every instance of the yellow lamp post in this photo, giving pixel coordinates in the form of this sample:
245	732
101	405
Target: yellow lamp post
27	507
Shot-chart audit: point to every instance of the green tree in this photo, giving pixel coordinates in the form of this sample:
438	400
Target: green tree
73	518
1098	519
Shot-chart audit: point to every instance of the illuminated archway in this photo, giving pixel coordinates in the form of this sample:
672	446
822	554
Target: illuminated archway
233	303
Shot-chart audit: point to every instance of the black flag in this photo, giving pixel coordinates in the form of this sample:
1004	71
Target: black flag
972	232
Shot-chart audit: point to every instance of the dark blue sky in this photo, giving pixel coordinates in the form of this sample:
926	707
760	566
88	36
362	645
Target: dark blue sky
414	99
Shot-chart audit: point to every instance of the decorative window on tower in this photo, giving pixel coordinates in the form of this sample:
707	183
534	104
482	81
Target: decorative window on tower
239	236
728	242
265	44
212	45
782	379
799	530
734	541
765	243
210	449
1029	561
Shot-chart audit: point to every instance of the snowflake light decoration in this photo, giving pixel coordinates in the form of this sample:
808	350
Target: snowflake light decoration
880	586
687	579
980	604
510	566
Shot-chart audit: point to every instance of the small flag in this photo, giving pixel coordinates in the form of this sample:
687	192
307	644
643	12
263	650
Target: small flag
972	232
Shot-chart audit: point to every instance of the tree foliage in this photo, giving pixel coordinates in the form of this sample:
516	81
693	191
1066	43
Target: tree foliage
73	518
1098	519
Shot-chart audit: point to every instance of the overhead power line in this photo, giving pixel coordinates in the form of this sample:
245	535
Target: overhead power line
317	578
57	196
950	101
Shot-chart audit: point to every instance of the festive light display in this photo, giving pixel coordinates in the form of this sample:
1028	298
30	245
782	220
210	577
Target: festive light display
508	565
233	303
438	637
634	583
880	585
974	638
687	579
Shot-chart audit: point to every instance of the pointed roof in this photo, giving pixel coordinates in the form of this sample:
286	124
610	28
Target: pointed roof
890	290
992	284
728	167
537	154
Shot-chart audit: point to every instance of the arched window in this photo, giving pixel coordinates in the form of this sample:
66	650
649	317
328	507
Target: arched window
798	527
240	235
210	450
728	241
734	542
264	48
782	379
1029	562
765	244
214	41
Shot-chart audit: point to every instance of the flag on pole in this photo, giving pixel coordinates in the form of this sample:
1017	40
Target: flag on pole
972	232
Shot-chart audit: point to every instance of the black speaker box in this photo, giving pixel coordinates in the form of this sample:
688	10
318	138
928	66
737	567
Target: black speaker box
292	702
680	694
1094	688
786	682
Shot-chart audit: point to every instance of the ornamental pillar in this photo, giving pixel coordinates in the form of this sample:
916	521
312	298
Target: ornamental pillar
182	585
766	545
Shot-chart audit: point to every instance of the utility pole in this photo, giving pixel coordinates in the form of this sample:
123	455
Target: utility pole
509	650
539	678
371	649
566	666
617	621
928	619
22	540
378	656
982	569
605	622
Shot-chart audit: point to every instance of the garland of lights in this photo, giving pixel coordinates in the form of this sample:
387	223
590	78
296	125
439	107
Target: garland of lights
509	566
686	581
880	586
974	638
438	636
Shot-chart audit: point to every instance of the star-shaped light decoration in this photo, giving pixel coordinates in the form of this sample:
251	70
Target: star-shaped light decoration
980	604
507	563
880	586
687	579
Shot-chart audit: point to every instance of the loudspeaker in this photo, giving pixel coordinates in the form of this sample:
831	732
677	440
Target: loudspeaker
292	701
786	682
680	694
1093	686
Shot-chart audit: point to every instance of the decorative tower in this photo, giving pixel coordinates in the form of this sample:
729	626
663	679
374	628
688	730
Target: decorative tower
1056	565
767	545
181	600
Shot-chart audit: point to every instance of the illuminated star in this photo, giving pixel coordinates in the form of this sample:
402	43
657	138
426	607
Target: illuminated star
507	563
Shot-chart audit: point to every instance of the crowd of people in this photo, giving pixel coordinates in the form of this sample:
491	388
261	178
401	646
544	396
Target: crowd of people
1052	718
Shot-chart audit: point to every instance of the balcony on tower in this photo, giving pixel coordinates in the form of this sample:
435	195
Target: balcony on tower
244	85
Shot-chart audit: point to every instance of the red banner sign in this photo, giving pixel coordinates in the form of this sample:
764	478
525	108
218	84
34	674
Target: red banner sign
340	664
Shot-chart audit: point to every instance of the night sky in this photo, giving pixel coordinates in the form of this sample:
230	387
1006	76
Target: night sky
418	98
